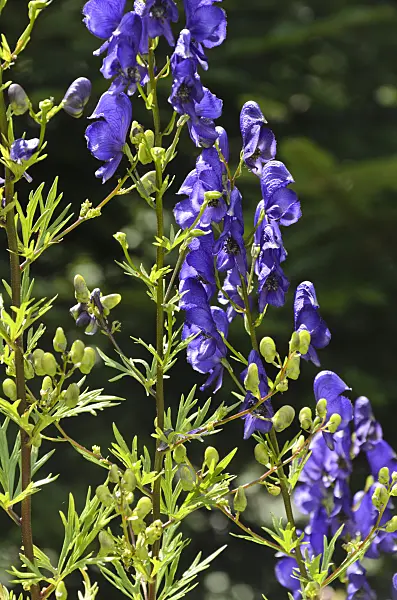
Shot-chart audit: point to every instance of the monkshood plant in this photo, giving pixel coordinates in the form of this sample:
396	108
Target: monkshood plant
218	266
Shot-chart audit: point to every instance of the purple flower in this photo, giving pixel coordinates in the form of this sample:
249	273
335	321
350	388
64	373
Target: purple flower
368	432
106	138
230	286
76	97
272	286
23	149
286	574
229	247
364	518
260	418
259	144
199	263
307	317
157	16
330	386
281	204
206	23
103	16
358	587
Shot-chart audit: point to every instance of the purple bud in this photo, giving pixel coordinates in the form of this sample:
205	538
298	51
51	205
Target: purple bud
76	97
18	98
83	319
23	149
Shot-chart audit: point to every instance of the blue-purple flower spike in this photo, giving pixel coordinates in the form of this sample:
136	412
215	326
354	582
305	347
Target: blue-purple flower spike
259	143
307	317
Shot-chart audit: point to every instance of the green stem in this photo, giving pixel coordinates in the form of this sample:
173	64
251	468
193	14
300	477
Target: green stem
273	439
158	460
26	519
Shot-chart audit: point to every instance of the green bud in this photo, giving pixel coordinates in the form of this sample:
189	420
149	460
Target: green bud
334	422
114	475
273	490
148	182
106	543
61	592
88	360
81	292
267	348
77	351
384	476
46	385
305	418
321	408
137	524
211	457
212	195
391	526
179	454
240	500
72	395
304	341
293	367
18	98
49	364
283	418
136	133
282	386
36	440
128	481
104	496
28	369
187	478
129	497
110	301
45	105
10	389
144	154
261	454
121	238
154	532
143	507
37	358
312	590
294	342
157	153
298	446
251	381
394	476
59	342
380	497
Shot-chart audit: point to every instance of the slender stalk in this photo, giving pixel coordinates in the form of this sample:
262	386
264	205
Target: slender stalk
273	440
158	460
26	517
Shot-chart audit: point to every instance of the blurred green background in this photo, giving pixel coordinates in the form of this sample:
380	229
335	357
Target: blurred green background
325	76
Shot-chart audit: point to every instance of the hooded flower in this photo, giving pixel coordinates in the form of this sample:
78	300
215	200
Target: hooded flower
330	386
23	149
106	138
260	418
280	203
307	317
157	16
76	97
358	587
199	263
102	17
259	143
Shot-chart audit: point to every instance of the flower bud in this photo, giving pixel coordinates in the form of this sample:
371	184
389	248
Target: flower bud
267	348
136	133
76	97
321	408
28	369
137	524
128	481
91	326
148	183
46	105
110	301
81	292
18	98
251	381
304	341
293	367
380	497
384	475
49	364
211	457
72	395
88	360
143	507
61	592
283	418
106	543
273	490
305	418
334	422
59	342
312	590
187	478
36	440
282	386
144	154
294	342
77	351
121	238
179	454
104	496
154	532
10	389
299	444
240	500
46	385
37	358
391	526
114	475
261	454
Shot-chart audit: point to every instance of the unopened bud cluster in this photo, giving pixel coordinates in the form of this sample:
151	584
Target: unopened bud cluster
92	308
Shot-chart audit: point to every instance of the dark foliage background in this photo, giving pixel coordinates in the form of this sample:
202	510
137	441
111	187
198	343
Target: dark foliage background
325	76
